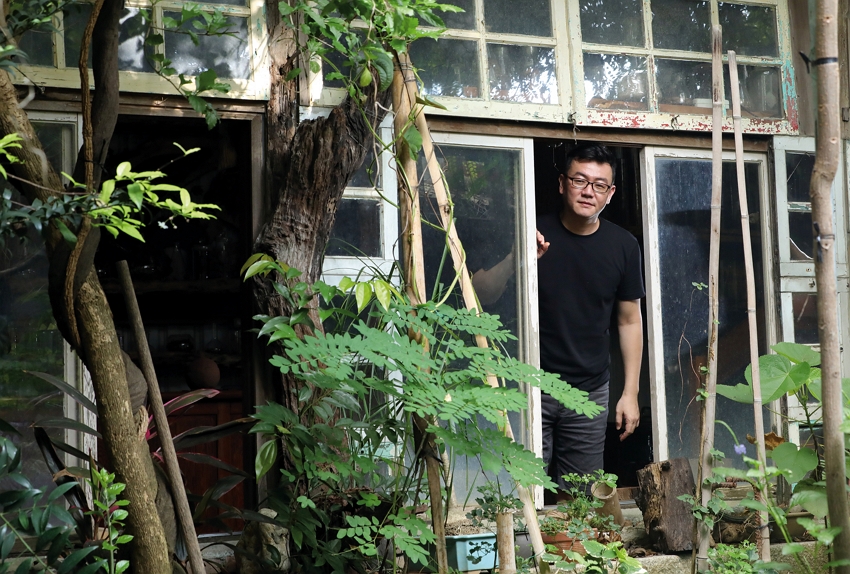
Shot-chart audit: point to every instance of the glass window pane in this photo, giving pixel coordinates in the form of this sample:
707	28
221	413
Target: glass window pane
805	309
798	168
337	62
800	232
369	174
501	16
683	193
462	20
131	42
522	74
615	82
681	25
29	339
357	229
486	186
75	18
228	55
614	22
37	44
749	30
761	91
683	85
58	139
447	67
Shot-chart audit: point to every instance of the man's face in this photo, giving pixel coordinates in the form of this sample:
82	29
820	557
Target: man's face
586	203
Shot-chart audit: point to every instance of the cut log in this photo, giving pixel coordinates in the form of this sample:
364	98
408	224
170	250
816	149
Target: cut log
668	520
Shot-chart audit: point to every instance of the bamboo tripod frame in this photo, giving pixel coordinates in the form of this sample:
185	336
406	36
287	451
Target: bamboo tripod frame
405	94
764	535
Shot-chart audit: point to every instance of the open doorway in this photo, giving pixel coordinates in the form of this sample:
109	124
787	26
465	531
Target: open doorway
622	458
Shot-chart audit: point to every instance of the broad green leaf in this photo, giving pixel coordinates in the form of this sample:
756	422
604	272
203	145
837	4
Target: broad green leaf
815	389
778	376
123	169
106	190
740	393
67	234
414	141
265	458
796	462
798	353
363	294
812	497
136	193
382	292
346	283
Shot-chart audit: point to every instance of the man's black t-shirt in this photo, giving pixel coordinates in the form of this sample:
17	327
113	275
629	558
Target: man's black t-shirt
580	278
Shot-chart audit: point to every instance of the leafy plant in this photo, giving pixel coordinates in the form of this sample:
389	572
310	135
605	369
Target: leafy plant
339	501
41	524
728	559
491	503
577	515
115	208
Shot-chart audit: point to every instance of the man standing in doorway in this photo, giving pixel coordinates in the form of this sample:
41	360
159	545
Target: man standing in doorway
588	268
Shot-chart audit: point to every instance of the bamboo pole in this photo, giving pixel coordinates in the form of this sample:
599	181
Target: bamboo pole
710	403
505	542
826	164
172	468
414	268
470	300
764	535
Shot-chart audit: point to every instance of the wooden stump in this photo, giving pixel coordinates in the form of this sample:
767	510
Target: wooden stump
668	520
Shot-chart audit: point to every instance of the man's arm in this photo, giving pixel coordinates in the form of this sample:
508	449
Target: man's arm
490	283
630	326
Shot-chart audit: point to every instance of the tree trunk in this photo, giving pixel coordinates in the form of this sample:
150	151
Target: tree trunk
79	303
828	153
308	166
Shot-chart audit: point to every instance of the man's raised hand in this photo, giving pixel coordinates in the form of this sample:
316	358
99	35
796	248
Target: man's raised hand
542	245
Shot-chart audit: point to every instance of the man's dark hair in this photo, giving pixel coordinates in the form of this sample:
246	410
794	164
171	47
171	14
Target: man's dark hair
594	152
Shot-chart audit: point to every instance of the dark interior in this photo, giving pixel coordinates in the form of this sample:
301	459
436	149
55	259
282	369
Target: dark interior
622	458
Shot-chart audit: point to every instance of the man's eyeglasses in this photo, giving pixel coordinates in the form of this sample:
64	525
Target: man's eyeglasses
597	186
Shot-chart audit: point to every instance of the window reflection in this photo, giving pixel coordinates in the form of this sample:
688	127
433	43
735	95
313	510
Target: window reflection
612	22
132	52
683	84
761	92
615	82
74	20
522	74
805	308
357	229
228	54
29	339
799	167
748	29
502	16
447	67
683	193
461	20
37	44
681	25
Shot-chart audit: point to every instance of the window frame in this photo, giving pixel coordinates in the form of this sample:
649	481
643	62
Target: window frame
256	87
75	373
652	273
697	122
571	107
799	277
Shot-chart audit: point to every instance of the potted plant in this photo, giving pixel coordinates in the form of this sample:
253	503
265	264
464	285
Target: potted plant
495	511
576	520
